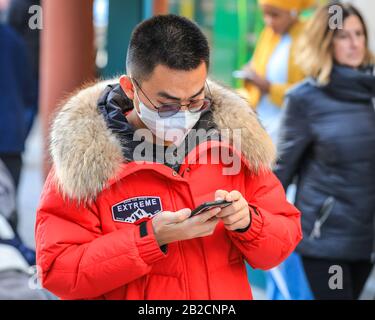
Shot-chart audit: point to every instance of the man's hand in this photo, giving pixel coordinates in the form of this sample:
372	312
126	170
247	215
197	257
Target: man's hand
237	215
174	226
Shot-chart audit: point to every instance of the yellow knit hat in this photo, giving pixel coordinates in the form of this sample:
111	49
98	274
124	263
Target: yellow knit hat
289	5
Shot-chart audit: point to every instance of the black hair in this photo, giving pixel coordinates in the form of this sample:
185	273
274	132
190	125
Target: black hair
169	40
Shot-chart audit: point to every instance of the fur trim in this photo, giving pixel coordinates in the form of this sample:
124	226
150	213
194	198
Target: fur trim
231	111
86	154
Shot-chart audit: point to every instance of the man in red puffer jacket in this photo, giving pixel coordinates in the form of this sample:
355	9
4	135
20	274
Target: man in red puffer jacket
133	156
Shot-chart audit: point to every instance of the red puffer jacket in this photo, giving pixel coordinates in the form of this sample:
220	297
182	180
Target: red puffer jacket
91	244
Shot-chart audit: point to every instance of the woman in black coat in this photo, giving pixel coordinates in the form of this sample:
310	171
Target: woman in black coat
327	145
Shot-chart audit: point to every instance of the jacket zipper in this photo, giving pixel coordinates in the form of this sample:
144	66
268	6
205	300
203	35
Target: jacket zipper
181	251
324	213
187	169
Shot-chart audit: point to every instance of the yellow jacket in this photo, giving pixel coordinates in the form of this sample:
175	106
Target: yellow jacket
266	45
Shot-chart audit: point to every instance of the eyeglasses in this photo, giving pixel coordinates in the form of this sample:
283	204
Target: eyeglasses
169	109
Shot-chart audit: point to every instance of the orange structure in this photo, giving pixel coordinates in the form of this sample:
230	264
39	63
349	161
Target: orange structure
67	54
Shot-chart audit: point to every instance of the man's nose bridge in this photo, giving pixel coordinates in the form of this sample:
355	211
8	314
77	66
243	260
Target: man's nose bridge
185	106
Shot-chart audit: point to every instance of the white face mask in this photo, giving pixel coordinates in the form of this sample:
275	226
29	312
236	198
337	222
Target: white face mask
174	128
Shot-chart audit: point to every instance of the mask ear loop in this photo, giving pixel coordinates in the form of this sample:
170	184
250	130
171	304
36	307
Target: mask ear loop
136	94
139	87
135	89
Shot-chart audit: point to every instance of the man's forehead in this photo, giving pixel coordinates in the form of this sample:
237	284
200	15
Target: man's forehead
176	83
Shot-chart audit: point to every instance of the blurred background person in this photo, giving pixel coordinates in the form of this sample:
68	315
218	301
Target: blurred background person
17	271
18	17
272	69
327	140
271	72
16	103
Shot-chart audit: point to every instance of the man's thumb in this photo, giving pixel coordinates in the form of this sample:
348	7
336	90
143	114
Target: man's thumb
184	213
220	194
179	215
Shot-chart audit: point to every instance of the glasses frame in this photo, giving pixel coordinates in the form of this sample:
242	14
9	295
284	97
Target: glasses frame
208	100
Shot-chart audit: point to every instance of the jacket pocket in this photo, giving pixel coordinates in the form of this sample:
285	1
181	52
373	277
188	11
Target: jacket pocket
324	212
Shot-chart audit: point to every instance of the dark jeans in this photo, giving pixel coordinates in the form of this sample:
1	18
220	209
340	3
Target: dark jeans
13	162
354	277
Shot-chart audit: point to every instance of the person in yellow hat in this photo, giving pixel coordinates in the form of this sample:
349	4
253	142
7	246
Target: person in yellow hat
272	70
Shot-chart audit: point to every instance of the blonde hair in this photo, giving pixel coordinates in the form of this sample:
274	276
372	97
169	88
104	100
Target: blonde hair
315	45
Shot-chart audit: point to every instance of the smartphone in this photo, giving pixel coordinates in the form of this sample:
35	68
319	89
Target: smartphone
241	74
210	205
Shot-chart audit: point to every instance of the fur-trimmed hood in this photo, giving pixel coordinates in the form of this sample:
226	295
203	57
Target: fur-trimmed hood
86	153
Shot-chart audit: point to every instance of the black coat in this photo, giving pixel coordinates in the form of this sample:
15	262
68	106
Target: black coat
327	142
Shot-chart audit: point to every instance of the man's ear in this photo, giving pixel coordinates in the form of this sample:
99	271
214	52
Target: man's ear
127	86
